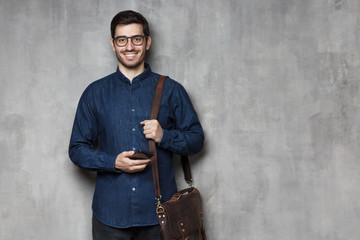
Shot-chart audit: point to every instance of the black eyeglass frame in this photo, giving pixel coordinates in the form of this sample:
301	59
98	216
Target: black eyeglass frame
132	41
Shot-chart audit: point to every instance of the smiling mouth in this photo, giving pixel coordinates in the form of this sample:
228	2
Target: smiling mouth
130	55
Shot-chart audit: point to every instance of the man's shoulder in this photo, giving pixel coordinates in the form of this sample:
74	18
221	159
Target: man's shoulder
102	83
170	82
105	80
174	85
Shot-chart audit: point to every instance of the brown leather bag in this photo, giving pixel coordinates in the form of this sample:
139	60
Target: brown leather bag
181	216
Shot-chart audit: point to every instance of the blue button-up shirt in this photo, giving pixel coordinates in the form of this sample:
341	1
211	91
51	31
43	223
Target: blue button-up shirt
109	112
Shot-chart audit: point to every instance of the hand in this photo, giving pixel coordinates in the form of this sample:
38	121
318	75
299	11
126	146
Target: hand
125	164
152	130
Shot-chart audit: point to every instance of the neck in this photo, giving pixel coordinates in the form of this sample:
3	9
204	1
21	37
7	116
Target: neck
131	73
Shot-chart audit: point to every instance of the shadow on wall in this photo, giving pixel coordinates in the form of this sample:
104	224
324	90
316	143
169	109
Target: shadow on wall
87	178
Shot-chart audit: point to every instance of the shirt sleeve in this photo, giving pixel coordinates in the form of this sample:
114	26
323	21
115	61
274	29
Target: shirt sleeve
187	136
84	134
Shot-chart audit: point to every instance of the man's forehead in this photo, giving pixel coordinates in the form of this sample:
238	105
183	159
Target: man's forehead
126	29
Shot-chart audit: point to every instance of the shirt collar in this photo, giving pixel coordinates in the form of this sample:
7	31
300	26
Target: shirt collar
139	77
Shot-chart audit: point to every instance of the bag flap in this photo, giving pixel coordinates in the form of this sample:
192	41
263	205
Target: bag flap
183	212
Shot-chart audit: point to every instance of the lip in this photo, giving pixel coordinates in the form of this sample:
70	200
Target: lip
130	55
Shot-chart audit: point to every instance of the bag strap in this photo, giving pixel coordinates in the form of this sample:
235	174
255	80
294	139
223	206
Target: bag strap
185	163
155	108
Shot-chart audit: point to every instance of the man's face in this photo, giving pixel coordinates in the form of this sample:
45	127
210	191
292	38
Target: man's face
130	56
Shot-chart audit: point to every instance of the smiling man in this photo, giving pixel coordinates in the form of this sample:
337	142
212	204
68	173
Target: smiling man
113	112
131	56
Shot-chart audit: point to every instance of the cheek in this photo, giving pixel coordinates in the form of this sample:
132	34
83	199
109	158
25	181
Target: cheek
118	52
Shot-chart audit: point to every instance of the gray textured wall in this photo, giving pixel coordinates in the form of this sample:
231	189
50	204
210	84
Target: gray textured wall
275	83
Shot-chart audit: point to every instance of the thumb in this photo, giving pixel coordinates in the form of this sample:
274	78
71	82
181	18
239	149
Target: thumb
128	153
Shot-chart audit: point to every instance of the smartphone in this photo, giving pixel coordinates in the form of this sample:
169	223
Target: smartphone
141	154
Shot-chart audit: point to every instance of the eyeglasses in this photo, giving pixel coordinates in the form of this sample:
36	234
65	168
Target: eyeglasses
137	40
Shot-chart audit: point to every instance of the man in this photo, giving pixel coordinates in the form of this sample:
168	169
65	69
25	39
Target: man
114	112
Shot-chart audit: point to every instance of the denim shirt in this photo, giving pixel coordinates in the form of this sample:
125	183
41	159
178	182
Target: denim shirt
109	113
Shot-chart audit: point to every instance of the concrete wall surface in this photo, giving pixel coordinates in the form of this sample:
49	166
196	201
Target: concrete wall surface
275	84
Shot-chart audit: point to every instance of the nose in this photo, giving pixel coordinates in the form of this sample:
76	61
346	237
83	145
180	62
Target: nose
129	45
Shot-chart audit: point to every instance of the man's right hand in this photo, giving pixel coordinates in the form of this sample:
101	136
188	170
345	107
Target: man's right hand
125	164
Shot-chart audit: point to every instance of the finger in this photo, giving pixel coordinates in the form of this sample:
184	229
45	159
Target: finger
149	122
148	131
127	153
144	122
137	165
149	135
139	162
151	127
147	127
138	168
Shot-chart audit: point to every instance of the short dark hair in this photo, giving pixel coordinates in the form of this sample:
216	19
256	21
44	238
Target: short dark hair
128	17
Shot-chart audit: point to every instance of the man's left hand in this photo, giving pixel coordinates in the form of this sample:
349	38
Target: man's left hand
152	130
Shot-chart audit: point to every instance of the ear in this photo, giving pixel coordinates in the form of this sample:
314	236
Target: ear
148	43
112	44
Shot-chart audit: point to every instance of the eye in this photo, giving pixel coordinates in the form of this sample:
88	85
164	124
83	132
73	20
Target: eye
137	39
121	40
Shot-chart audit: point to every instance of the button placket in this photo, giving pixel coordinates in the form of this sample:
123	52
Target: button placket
132	113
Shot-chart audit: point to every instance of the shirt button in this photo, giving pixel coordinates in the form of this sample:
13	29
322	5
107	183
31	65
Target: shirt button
133	189
133	129
133	149
133	110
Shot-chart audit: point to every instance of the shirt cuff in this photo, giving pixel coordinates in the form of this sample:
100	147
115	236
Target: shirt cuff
117	170
109	163
114	169
165	140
